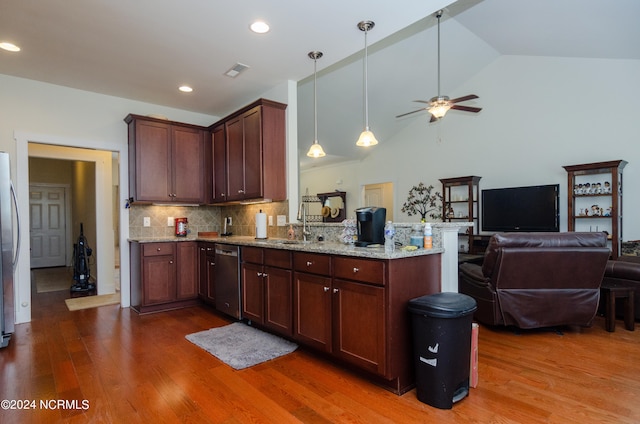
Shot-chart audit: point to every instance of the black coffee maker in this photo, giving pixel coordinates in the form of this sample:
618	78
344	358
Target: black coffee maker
371	221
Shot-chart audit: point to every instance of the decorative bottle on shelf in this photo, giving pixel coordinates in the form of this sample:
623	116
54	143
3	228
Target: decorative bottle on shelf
428	239
389	234
416	238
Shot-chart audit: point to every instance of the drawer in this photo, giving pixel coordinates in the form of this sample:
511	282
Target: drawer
312	263
278	258
253	255
158	249
364	270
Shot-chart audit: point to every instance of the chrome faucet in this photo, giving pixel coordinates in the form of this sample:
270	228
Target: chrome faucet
302	216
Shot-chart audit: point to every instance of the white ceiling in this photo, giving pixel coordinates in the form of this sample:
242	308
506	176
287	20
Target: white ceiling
145	49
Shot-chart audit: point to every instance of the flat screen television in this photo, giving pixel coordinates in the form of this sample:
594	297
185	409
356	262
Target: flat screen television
532	208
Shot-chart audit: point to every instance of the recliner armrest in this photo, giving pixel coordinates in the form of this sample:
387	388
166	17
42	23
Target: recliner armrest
472	273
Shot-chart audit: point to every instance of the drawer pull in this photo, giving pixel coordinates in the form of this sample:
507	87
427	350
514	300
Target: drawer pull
259	274
326	289
265	275
335	290
355	270
158	249
171	262
309	263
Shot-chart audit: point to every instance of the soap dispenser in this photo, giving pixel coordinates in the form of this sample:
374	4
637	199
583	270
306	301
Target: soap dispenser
291	234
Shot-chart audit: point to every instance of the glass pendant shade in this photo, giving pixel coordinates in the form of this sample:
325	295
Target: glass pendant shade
439	108
315	151
366	138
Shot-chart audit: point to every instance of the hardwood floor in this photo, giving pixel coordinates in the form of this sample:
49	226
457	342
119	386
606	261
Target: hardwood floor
141	369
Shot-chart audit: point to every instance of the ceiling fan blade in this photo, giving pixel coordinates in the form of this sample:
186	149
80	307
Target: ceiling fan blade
409	113
464	98
423	101
467	108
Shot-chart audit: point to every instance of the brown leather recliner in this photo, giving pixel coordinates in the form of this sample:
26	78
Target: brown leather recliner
533	280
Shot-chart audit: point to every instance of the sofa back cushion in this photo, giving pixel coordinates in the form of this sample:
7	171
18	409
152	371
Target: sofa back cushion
537	240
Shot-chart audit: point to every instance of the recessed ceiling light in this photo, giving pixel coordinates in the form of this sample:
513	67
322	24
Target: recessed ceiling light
185	89
259	27
9	47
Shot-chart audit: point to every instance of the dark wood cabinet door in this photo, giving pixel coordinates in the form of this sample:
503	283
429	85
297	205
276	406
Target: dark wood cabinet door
358	325
235	159
219	151
278	300
252	126
312	310
159	279
253	292
187	271
152	161
188	164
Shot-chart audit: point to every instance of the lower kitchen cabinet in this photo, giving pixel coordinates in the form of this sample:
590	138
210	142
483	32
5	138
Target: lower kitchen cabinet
312	310
267	288
163	275
207	263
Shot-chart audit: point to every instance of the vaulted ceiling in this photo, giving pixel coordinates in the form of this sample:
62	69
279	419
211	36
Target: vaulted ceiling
144	50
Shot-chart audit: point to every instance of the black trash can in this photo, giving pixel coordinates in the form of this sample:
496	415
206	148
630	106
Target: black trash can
442	347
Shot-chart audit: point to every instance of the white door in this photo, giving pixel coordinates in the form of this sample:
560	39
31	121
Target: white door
380	195
47	226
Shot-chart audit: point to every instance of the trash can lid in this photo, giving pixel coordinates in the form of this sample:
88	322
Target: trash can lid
443	305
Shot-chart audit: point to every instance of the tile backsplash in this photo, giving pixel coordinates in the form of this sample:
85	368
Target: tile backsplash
205	218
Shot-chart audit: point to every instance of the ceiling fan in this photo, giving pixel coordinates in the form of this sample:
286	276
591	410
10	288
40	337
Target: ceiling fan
439	105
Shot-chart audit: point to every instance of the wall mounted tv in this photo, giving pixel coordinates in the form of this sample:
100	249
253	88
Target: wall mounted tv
533	208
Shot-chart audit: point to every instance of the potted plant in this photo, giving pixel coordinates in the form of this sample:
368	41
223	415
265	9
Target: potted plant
423	200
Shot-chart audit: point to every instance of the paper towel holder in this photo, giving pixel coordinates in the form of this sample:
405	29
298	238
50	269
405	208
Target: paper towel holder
261	226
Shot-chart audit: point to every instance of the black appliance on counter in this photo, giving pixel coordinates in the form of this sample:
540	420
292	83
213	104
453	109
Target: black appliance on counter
370	221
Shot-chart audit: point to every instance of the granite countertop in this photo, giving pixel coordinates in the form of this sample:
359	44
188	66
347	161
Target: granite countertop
325	247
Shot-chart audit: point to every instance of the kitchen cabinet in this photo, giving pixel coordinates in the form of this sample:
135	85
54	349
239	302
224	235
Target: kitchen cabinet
594	194
219	161
166	161
163	275
207	263
254	151
267	288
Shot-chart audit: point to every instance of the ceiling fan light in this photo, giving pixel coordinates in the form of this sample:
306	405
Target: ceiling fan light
366	139
439	110
316	151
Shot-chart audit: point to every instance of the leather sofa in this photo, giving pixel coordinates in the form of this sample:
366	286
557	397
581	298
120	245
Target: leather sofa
534	280
624	272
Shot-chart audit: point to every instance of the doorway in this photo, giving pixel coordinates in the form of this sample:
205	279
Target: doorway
380	195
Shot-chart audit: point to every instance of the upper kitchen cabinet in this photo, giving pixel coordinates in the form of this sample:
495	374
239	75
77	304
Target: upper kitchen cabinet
166	161
255	154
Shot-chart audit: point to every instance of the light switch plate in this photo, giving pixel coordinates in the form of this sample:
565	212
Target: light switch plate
146	221
171	221
229	221
270	220
282	220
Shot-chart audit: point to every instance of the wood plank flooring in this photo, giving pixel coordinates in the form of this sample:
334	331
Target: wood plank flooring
140	369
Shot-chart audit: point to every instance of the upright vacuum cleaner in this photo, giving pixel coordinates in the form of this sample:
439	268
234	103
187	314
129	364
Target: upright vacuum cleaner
81	272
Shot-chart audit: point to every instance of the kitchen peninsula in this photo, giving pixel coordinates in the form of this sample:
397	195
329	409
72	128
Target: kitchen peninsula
347	303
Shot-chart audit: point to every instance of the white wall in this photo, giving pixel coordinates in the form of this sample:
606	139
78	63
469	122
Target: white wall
539	113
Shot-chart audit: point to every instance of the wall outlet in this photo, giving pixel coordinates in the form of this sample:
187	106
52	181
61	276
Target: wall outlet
146	221
281	220
270	219
229	221
171	221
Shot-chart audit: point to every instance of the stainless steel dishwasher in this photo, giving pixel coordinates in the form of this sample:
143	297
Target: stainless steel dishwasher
227	280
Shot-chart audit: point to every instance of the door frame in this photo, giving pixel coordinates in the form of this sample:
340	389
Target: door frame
67	218
22	273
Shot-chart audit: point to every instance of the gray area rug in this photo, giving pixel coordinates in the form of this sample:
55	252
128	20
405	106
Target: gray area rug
241	346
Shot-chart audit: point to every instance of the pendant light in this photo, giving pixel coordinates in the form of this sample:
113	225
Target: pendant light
366	137
315	151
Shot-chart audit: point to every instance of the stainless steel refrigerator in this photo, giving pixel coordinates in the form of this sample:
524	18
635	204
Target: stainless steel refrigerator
7	200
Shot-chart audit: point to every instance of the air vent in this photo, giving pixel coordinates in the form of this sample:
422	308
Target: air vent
236	70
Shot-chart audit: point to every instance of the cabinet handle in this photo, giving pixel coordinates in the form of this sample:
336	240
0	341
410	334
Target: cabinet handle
326	289
240	191
335	290
158	249
213	264
265	275
209	249
171	262
202	249
222	194
309	263
355	269
259	274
